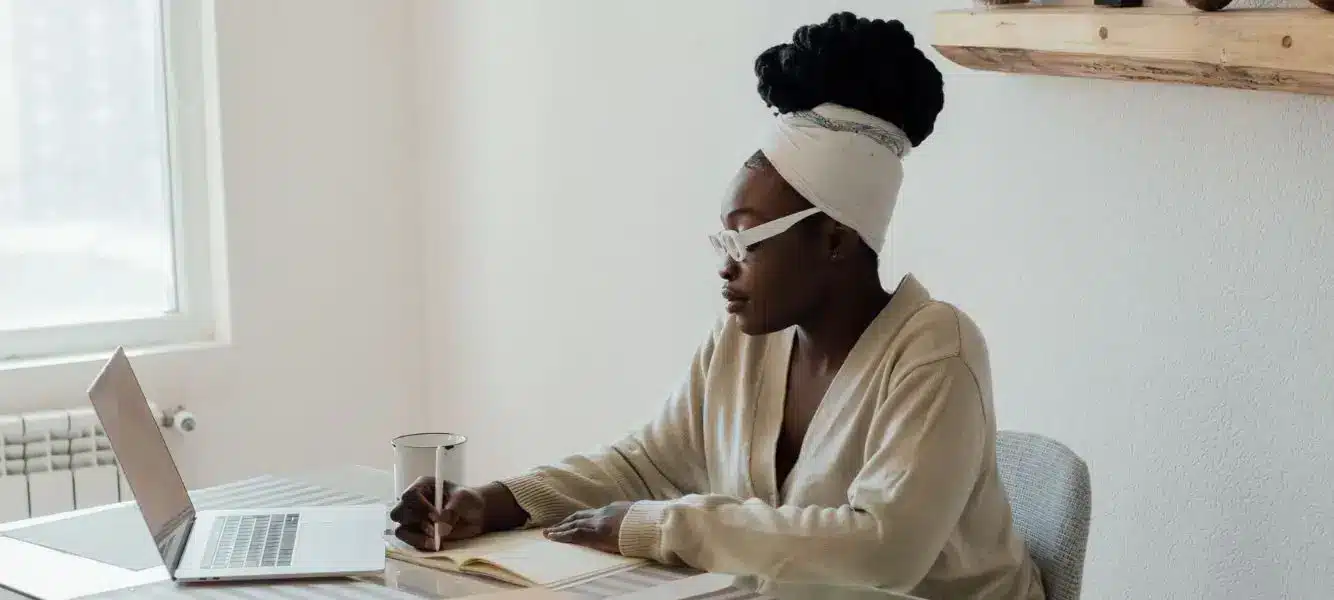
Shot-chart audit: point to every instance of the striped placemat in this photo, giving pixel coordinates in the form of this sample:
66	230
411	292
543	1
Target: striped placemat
649	576
269	491
624	582
331	590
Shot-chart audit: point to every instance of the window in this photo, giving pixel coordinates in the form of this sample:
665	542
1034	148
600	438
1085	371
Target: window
107	176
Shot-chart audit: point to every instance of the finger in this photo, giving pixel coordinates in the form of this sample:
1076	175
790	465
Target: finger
564	530
578	536
462	531
423	493
445	521
464	503
572	517
414	537
409	517
564	535
557	534
576	516
452	512
412	500
428	530
452	500
566	524
431	510
424	482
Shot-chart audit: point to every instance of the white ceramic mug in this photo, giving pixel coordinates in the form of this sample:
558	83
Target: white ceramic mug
414	457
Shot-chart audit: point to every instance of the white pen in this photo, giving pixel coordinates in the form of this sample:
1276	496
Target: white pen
439	490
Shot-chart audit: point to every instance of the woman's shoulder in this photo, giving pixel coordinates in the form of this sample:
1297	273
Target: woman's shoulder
936	331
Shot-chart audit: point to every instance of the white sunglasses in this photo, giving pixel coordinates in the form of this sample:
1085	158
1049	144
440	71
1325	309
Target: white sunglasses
735	244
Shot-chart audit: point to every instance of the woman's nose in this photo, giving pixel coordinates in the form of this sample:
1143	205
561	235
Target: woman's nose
729	269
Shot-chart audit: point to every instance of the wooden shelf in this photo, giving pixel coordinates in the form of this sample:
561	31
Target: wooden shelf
1261	49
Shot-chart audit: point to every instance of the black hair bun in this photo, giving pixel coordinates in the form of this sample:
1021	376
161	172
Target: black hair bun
871	65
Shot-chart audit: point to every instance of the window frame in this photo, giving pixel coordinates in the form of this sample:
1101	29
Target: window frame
188	39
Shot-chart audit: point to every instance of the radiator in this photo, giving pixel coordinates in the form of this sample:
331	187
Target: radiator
56	461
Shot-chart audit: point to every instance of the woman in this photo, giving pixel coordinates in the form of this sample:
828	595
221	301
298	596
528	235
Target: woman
830	439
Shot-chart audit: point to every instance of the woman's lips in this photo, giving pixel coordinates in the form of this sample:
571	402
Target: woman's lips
736	301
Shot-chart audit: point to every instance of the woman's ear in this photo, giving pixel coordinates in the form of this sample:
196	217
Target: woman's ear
843	242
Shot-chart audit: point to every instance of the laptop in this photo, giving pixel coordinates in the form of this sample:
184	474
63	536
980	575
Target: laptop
282	542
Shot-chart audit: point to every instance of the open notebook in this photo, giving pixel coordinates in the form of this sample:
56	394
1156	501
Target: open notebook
522	557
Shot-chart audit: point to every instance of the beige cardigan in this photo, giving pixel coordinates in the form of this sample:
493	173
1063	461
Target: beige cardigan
896	487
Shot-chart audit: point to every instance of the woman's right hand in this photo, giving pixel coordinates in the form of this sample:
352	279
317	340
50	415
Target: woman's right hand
463	515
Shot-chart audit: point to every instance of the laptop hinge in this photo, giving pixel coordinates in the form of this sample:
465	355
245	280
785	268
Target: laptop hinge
176	560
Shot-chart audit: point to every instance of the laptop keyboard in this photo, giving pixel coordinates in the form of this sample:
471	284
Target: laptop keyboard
240	541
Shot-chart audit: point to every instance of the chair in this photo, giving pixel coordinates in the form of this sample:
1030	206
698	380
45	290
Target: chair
1049	491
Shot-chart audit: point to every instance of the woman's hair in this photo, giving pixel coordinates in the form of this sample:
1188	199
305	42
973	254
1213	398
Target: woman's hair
871	66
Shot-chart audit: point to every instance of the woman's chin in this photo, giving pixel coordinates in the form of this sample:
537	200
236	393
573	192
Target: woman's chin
751	325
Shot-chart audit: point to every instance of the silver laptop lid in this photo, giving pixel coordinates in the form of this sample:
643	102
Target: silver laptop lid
143	456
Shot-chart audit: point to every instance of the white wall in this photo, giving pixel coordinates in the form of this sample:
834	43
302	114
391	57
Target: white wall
1152	265
321	210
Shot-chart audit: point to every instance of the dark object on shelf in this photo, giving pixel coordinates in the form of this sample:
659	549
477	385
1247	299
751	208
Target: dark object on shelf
1120	3
1209	5
1325	4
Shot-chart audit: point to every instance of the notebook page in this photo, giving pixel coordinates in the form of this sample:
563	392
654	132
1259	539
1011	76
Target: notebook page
550	563
474	547
526	553
462	550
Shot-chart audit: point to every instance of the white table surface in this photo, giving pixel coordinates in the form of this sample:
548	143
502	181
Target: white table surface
54	575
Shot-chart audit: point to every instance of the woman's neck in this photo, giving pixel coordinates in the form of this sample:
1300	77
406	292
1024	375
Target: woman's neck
829	335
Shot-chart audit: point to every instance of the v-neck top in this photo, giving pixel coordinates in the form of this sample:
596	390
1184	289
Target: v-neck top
896	486
773	395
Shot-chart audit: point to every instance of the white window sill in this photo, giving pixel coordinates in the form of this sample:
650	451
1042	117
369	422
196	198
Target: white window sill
22	364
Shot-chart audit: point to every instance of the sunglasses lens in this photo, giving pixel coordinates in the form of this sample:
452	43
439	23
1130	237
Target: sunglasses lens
735	251
718	246
728	246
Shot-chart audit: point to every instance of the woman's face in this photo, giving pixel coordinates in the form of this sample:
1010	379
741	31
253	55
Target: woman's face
783	278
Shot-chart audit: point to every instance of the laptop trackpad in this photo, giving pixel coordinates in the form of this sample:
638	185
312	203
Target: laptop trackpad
115	536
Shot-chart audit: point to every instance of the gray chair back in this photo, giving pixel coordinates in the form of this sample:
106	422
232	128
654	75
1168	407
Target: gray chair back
1049	491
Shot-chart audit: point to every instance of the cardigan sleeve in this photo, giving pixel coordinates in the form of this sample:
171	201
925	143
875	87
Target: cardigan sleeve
663	459
922	462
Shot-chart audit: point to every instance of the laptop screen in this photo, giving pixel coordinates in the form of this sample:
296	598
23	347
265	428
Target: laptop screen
143	456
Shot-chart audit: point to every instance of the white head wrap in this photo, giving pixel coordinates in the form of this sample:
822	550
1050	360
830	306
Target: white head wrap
845	162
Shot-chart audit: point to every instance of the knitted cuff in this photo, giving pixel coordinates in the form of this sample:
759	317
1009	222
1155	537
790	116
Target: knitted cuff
641	531
544	506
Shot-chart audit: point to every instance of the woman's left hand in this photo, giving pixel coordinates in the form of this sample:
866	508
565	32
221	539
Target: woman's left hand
599	529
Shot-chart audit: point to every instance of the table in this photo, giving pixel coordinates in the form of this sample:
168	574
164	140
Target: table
52	553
